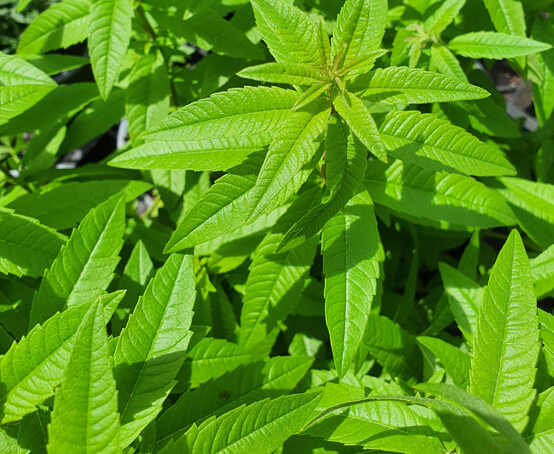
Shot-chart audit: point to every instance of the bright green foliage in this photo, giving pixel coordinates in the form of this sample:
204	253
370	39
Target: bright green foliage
85	417
84	267
277	226
505	346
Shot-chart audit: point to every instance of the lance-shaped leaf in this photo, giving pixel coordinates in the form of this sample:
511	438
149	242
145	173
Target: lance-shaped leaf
214	133
351	254
443	16
60	26
147	97
402	85
542	440
84	267
439	198
26	246
360	28
222	209
21	86
445	62
261	427
152	347
33	367
288	32
292	156
85	417
542	268
284	73
272	289
245	385
109	35
495	45
345	159
430	142
506	344
355	113
507	16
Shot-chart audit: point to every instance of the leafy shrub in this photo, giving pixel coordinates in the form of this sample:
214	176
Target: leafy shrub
293	243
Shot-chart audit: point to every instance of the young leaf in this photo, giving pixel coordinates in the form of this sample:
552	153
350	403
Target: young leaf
290	159
351	254
430	142
507	16
60	26
360	28
272	290
21	86
289	33
109	36
261	427
495	45
402	85
84	267
354	112
443	16
506	344
152	347
215	133
284	73
85	418
26	246
437	197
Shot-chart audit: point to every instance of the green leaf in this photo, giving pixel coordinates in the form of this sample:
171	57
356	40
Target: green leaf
245	385
147	96
284	73
84	267
446	62
507	16
26	246
63	206
21	86
261	427
222	209
360	28
547	336
445	200
52	64
542	269
506	344
354	112
542	439
345	159
455	361
402	85
290	159
85	418
152	347
289	33
393	347
443	16
59	27
543	87
33	367
352	251
109	36
272	290
215	133
430	142
495	45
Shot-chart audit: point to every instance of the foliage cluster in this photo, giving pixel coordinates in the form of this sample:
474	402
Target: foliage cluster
317	231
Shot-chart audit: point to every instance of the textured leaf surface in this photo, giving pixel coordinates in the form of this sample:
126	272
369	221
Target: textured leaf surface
109	35
506	340
430	142
85	418
21	86
84	268
495	45
26	246
507	16
351	254
152	347
443	16
60	26
283	73
413	86
261	427
289	34
542	269
438	197
455	361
